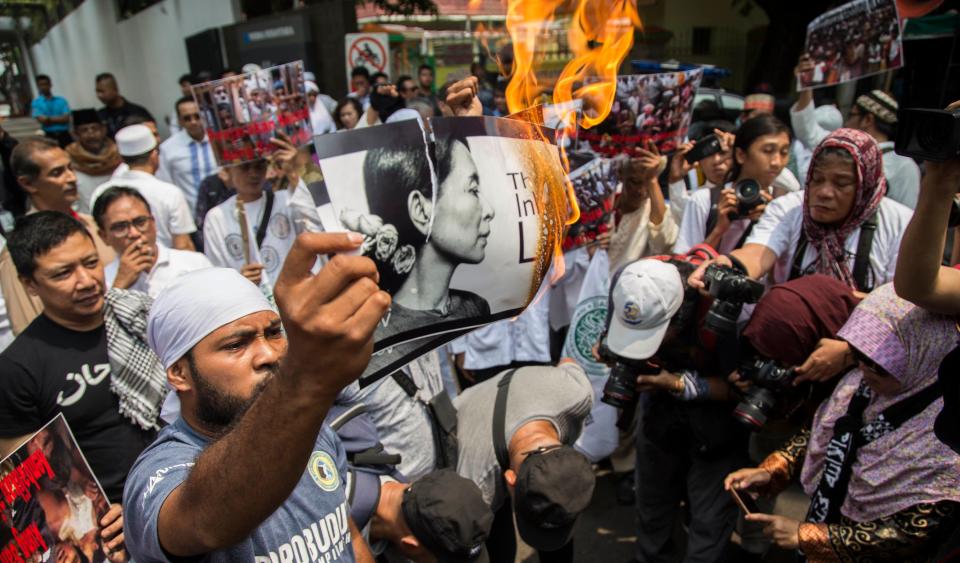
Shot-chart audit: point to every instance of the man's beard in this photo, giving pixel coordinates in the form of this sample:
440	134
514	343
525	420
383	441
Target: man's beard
218	410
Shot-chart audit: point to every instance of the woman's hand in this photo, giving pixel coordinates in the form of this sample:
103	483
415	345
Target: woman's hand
747	479
663	381
827	361
785	532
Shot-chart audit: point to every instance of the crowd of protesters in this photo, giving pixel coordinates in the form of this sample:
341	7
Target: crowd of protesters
175	311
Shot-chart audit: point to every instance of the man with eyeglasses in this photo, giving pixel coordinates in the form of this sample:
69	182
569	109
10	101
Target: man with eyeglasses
516	433
173	220
142	263
186	158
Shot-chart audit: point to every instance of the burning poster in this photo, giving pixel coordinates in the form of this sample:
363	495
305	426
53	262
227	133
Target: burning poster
463	230
855	40
242	113
647	107
51	502
594	184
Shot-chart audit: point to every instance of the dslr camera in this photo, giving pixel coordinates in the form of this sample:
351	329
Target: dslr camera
620	391
748	197
928	134
730	289
759	401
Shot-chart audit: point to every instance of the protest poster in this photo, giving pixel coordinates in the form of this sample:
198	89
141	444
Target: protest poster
647	107
243	112
594	185
462	229
51	502
858	39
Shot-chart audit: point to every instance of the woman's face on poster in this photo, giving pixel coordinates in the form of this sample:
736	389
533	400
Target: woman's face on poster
461	220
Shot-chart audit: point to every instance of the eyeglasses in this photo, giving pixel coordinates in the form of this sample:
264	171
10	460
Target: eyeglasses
140	223
873	366
542	450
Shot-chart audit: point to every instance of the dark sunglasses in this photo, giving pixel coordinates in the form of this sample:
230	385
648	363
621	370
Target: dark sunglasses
862	359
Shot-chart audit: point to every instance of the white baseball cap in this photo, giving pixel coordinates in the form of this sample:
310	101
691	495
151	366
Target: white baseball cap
134	140
646	294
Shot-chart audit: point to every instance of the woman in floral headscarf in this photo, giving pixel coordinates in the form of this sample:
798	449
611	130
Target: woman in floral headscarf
883	487
841	225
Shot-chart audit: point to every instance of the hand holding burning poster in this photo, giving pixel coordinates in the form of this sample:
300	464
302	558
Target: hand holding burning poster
857	39
242	113
647	107
51	503
462	230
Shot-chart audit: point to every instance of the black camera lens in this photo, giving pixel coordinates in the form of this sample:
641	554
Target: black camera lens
620	390
748	195
755	408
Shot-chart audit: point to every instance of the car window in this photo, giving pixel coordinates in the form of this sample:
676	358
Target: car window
700	97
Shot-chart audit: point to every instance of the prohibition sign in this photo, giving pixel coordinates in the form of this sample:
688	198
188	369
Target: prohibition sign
368	51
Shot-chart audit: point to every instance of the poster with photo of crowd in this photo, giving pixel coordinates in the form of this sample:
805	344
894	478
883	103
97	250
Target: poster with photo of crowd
462	229
858	39
647	107
594	185
242	113
50	501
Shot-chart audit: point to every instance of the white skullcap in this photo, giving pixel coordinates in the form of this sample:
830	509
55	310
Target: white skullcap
197	304
828	117
311	86
134	140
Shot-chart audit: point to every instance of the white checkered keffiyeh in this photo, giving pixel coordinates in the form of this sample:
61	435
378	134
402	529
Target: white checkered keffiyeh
137	377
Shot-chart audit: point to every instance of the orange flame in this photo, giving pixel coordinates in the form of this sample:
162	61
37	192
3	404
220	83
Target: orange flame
473	6
600	36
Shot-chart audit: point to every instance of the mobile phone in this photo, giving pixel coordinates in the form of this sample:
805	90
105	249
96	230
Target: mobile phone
707	146
744	501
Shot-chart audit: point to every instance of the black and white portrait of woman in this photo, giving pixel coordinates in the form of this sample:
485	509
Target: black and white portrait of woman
419	234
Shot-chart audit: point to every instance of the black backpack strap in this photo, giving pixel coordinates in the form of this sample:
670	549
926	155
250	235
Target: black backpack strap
265	220
861	264
500	420
715	193
405	382
796	268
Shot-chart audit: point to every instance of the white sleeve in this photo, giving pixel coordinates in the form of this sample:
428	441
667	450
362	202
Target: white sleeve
181	220
694	222
805	126
213	240
163	171
678	199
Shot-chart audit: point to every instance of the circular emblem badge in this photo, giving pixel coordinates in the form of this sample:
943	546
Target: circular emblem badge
280	226
631	313
587	325
235	246
271	260
324	471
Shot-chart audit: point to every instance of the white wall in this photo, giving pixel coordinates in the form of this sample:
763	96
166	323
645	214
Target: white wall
146	53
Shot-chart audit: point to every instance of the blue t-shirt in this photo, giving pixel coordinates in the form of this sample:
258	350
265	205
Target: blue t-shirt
312	525
55	106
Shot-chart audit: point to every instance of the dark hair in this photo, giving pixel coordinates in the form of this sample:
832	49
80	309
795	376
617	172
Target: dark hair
37	234
424	66
185	78
135	119
403	78
183	100
376	75
106	76
751	130
111	195
138	160
360	71
40	77
344	102
21	159
405	171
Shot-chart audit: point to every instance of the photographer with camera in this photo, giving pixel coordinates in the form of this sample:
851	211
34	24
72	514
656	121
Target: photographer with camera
686	439
841	225
883	487
724	217
701	163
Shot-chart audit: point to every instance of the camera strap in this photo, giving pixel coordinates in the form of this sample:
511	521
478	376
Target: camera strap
500	420
265	219
861	262
714	206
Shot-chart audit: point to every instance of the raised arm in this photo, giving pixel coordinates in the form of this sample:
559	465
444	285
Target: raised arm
336	312
920	277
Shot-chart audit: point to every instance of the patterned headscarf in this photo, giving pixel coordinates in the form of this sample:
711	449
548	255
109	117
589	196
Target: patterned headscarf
909	465
829	240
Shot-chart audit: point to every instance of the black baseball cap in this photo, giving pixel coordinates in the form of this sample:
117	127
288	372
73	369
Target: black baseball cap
554	485
447	514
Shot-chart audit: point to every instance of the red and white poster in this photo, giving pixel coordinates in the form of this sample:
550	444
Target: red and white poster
50	501
369	50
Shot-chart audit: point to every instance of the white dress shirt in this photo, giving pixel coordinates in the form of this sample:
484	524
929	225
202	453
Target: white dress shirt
781	224
902	173
185	163
171	264
167	204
